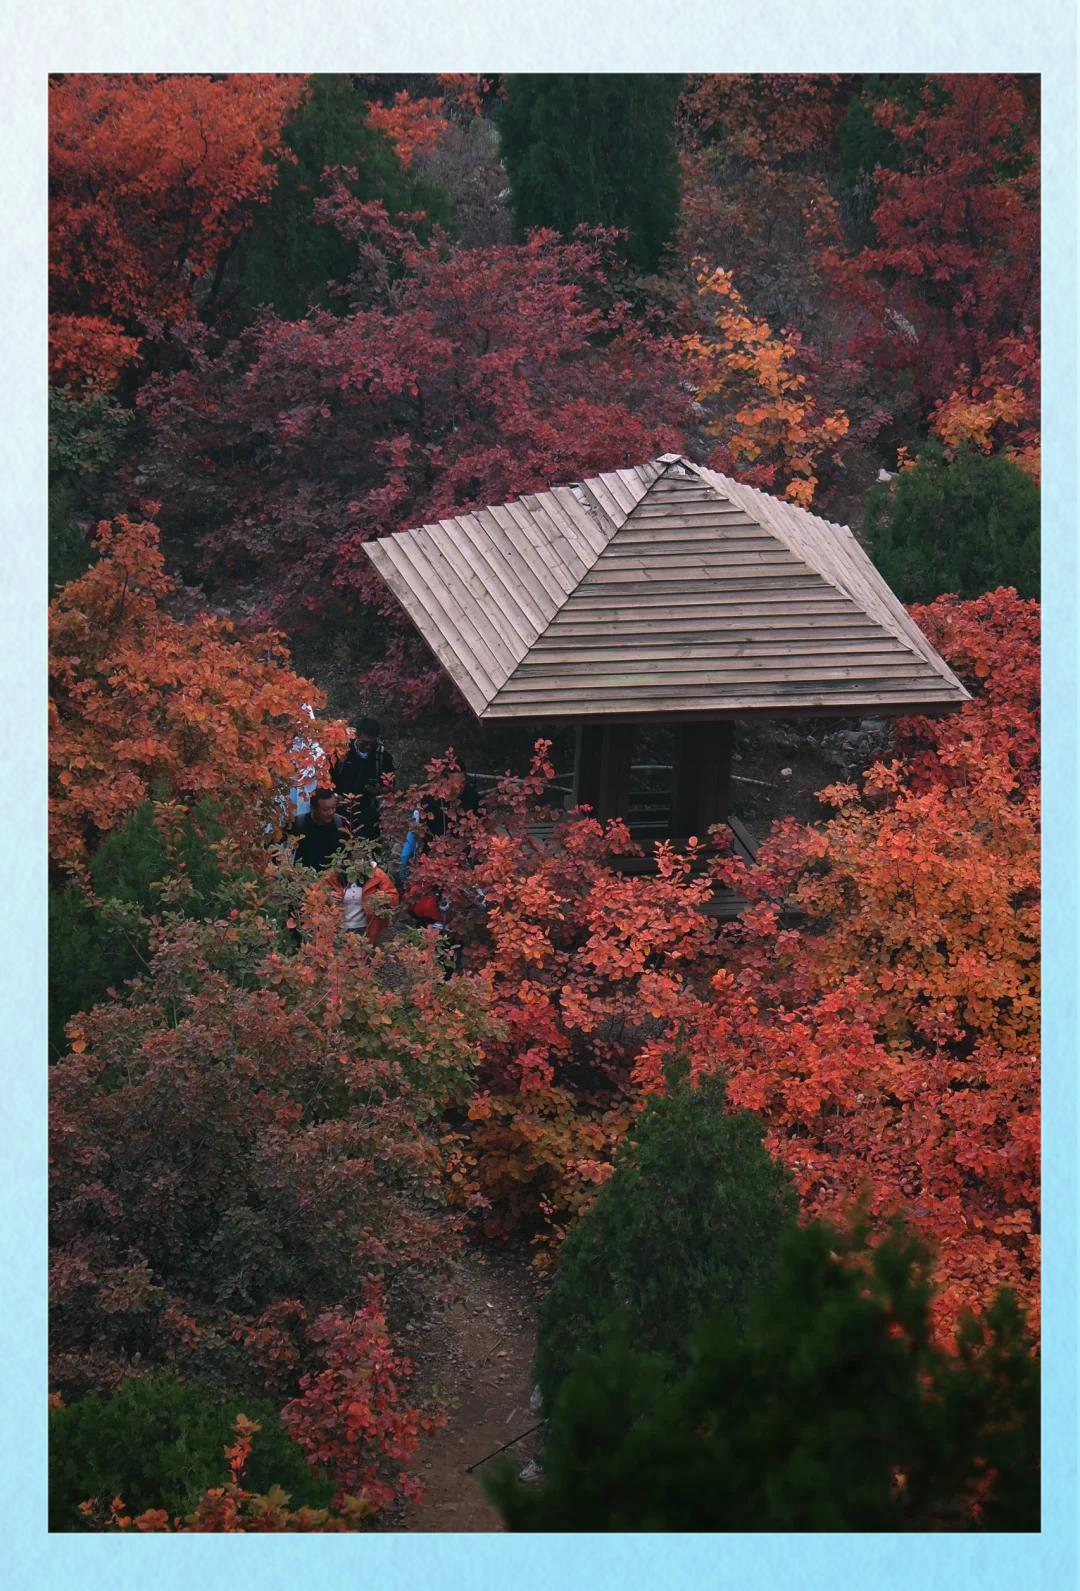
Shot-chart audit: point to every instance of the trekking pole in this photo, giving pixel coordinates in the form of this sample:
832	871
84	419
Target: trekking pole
519	1438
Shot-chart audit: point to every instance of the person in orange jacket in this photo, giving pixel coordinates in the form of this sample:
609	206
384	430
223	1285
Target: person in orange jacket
368	906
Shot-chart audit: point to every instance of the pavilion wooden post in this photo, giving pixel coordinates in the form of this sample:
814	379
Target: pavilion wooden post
604	754
702	777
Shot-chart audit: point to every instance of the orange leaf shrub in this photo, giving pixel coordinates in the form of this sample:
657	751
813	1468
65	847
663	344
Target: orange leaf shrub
772	430
142	703
890	1036
999	405
413	126
351	1417
992	643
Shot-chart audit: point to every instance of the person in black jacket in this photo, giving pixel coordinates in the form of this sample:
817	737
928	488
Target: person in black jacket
321	832
358	778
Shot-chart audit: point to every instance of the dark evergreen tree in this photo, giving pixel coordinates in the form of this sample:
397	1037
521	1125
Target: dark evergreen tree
865	146
964	526
832	1410
689	1223
287	259
594	147
85	438
864	143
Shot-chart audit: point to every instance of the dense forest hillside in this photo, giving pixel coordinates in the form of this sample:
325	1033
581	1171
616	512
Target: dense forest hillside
293	313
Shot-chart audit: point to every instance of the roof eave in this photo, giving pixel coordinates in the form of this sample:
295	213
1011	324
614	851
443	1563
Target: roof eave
803	708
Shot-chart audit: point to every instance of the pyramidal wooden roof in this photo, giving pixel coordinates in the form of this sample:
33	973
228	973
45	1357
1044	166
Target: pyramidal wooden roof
664	590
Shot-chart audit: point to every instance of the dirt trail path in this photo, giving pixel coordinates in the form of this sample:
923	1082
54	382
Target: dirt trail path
479	1355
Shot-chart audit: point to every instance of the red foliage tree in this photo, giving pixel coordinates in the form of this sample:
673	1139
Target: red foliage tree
151	178
413	126
470	90
469	376
578	960
756	151
992	643
952	281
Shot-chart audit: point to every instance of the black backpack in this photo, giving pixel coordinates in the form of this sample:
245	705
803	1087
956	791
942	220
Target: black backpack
301	825
352	769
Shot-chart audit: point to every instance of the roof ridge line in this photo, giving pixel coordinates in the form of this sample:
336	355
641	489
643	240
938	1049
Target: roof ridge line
811	563
665	459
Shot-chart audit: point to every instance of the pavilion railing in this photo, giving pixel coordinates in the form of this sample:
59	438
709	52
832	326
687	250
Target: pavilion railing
649	815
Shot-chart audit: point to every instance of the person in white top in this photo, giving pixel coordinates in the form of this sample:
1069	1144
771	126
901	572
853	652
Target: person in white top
355	915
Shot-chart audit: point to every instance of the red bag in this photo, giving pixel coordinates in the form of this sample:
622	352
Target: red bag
424	907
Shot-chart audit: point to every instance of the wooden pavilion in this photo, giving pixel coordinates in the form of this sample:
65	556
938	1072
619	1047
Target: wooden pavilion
662	594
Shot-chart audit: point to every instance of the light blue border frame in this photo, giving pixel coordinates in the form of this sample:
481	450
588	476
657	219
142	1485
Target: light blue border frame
681	35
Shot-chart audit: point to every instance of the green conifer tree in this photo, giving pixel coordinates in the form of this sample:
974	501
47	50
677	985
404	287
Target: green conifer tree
965	526
832	1409
594	147
287	259
689	1223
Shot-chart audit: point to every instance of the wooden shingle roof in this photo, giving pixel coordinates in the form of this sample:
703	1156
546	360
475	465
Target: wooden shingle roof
665	590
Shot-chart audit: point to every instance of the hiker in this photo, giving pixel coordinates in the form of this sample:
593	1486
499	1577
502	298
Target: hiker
368	905
320	832
305	755
429	820
358	778
427	905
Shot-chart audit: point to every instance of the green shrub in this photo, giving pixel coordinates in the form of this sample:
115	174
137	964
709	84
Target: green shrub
135	857
89	953
689	1223
831	1410
70	554
93	948
964	527
160	1443
594	147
